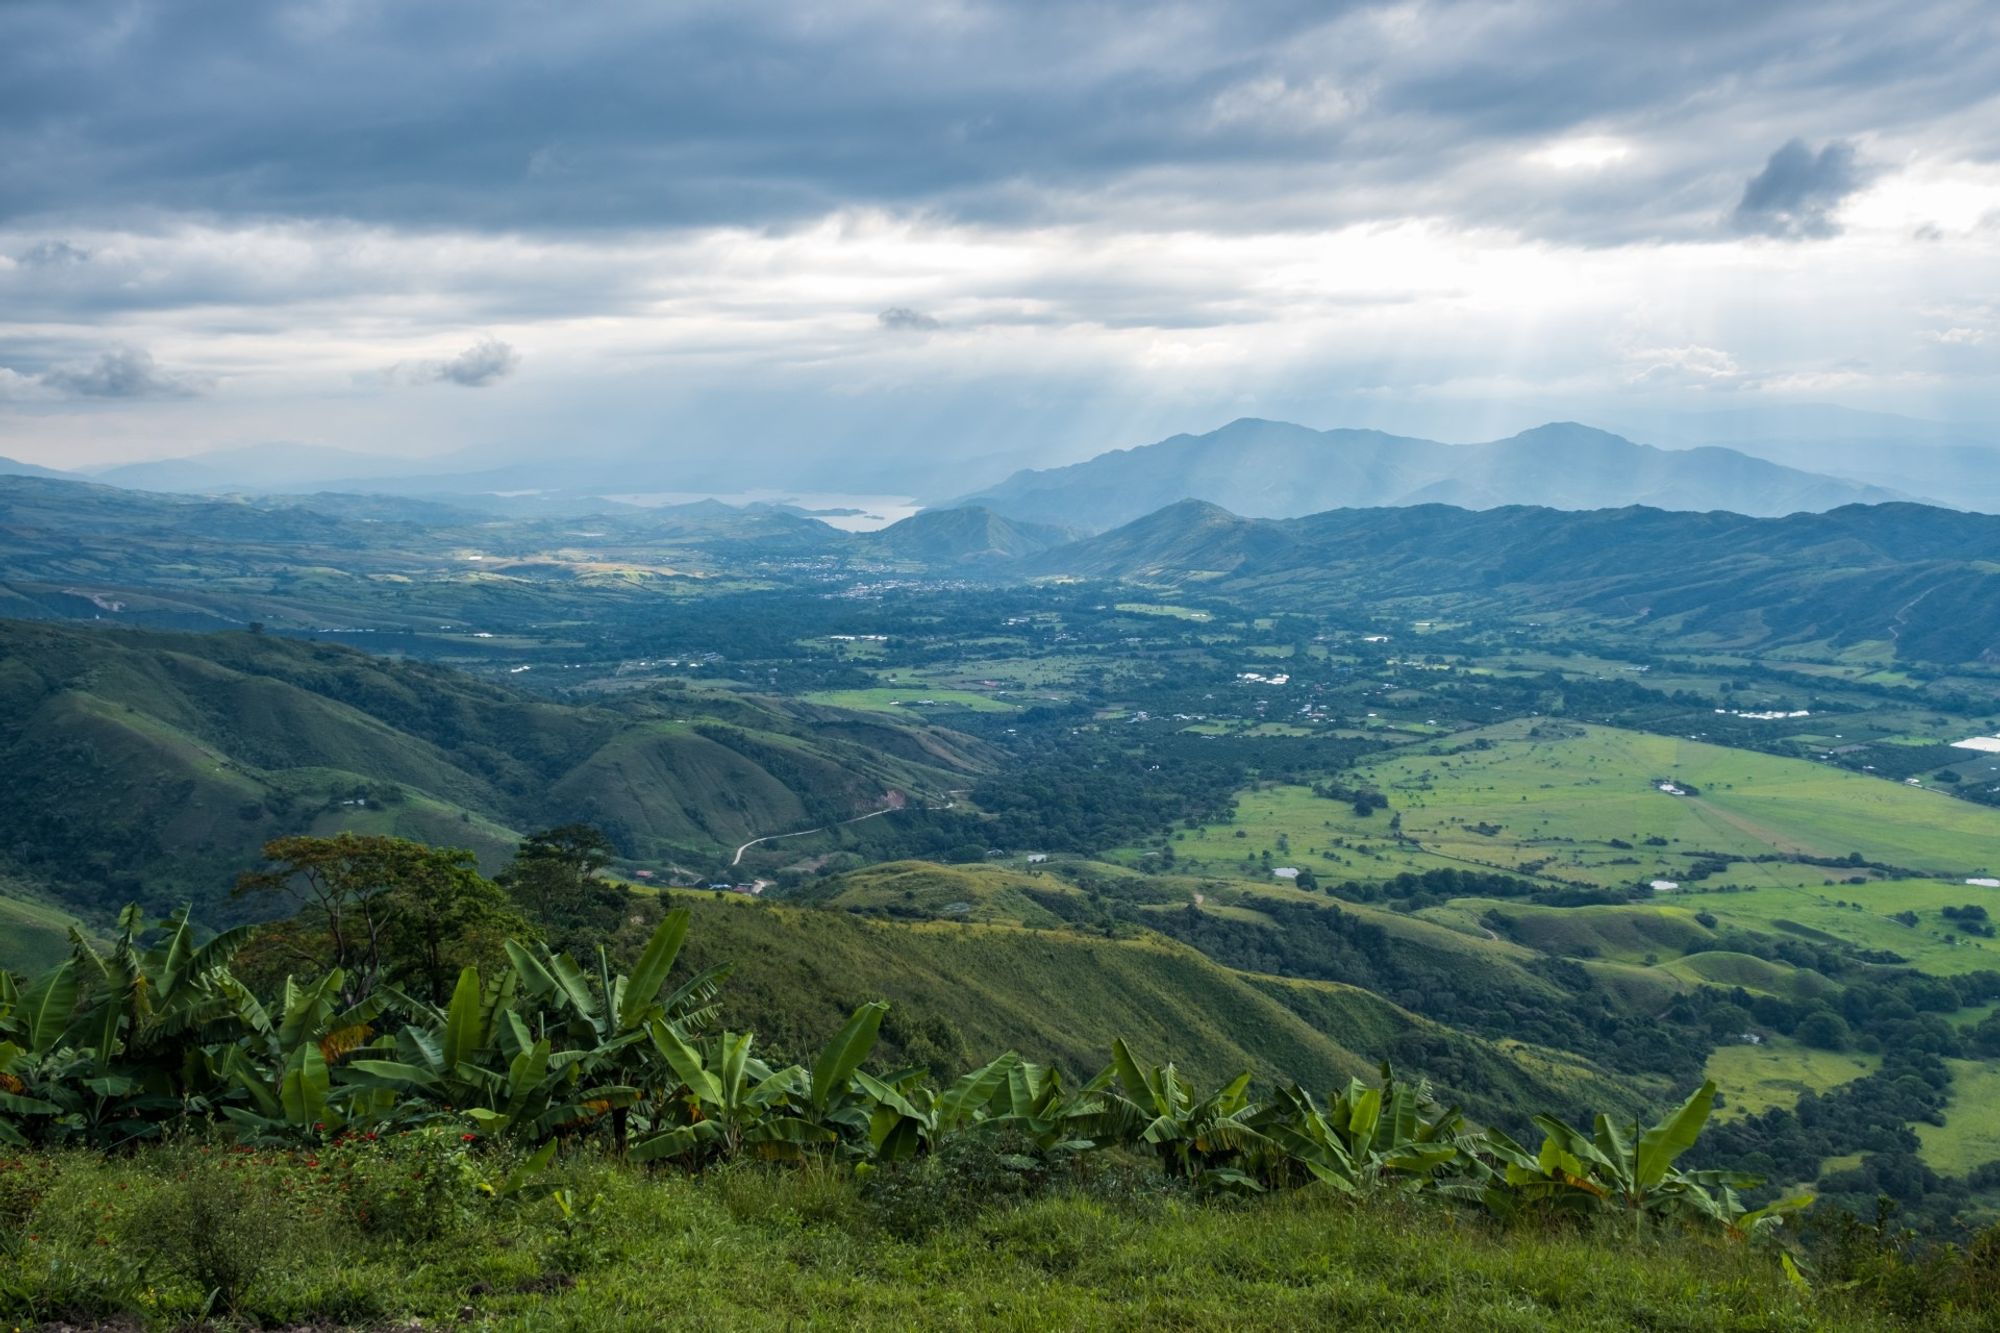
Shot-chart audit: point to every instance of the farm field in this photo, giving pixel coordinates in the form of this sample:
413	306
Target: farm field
913	699
1867	919
1582	805
1757	1078
1970	1135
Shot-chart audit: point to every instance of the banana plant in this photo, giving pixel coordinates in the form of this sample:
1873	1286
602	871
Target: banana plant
909	1119
1396	1133
480	1058
1631	1171
1198	1137
732	1099
286	1068
610	1020
36	1068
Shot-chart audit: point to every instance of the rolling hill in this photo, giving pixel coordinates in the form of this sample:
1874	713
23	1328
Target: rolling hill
1272	469
1921	579
969	535
150	767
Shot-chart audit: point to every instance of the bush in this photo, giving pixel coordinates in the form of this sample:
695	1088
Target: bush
220	1222
417	1185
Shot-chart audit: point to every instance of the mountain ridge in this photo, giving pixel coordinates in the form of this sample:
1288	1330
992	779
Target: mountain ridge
1274	469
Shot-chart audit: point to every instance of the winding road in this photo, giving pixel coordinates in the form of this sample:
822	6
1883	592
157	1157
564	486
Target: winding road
737	859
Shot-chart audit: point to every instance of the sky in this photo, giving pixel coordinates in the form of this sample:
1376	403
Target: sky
841	236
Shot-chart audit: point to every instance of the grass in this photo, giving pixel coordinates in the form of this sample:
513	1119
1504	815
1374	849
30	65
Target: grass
750	1248
1163	609
33	936
1866	918
1556	800
1756	1078
915	699
1970	1135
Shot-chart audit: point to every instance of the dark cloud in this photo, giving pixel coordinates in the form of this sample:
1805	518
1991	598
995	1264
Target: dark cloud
1794	196
518	115
122	372
479	365
902	319
53	254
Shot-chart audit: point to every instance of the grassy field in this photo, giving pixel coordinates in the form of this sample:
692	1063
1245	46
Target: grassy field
909	700
1556	799
1970	1136
1163	609
1866	919
139	1242
1756	1078
32	936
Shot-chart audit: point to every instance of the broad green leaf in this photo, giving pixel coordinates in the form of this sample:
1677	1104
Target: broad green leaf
686	1063
957	1104
844	1054
461	1023
45	1008
642	987
1661	1145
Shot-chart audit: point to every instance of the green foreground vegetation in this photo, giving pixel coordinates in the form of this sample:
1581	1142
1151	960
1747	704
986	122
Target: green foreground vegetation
970	1241
354	1153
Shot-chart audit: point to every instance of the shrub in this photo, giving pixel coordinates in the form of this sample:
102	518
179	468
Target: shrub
220	1222
416	1185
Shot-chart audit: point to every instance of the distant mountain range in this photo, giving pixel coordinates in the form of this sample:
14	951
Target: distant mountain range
14	468
1926	580
1272	469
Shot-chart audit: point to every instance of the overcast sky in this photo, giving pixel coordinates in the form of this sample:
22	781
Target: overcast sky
820	230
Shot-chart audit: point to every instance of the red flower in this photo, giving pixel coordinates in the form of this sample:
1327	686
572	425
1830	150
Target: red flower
467	1138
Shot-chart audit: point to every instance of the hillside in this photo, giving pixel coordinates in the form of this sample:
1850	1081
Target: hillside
1272	469
968	535
152	766
1060	996
1920	578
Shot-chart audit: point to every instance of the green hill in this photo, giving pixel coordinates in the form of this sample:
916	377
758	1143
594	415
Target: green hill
150	767
1061	997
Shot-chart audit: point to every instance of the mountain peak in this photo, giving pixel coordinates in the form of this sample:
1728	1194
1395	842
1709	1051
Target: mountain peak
1264	469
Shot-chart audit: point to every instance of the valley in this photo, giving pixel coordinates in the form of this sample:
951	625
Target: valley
1525	843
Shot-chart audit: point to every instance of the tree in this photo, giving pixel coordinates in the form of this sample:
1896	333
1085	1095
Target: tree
1726	1020
554	873
448	917
1824	1030
380	909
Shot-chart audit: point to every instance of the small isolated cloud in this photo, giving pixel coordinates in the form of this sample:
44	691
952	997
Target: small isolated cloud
122	372
479	365
1691	365
1794	197
52	254
905	320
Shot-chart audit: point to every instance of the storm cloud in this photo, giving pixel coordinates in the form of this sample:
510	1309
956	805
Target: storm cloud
708	221
510	114
1794	196
119	372
902	319
485	362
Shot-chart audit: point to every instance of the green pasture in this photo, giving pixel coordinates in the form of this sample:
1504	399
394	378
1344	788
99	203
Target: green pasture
1560	792
1163	609
1867	919
1970	1135
914	700
1753	1079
